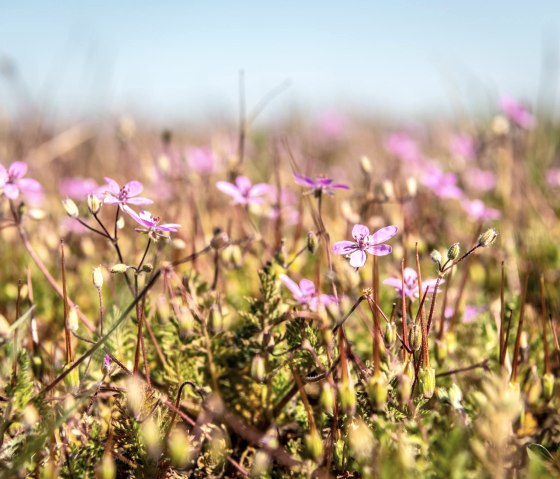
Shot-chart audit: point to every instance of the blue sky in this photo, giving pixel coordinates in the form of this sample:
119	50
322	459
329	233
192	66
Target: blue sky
172	59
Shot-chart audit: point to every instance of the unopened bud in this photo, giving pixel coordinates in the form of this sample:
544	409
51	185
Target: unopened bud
411	186
220	239
312	242
427	381
107	468
436	257
488	237
98	277
391	333
404	385
548	386
455	396
453	252
314	445
388	189
347	396
147	268
365	165
377	390
258	369
94	204
71	208
328	396
119	268
73	321
415	337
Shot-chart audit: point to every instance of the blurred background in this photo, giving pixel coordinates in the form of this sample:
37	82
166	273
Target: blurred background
171	61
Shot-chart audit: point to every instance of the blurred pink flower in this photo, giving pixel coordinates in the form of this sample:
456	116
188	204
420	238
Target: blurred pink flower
243	192
477	210
463	146
285	205
305	293
125	195
202	160
411	288
442	184
553	177
481	180
13	183
78	188
332	125
319	185
403	147
372	243
517	112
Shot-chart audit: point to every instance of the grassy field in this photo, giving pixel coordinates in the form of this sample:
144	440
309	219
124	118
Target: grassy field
335	298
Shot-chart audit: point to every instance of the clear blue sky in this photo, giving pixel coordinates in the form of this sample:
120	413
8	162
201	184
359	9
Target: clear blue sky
181	59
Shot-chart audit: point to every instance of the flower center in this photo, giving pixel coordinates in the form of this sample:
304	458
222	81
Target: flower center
123	193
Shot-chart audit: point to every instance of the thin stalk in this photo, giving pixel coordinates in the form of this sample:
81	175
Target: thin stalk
502	315
519	331
425	353
404	319
66	310
545	338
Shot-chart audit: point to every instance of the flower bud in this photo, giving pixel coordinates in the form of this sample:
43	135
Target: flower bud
98	277
73	321
404	385
455	396
312	242
365	165
107	468
415	337
487	238
347	396
548	386
377	390
388	189
427	381
147	268
220	239
94	204
409	370
411	187
119	268
258	369
436	257
314	445
71	208
328	396
453	252
391	333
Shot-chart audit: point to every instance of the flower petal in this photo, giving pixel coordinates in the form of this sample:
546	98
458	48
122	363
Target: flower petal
292	286
304	180
112	186
139	200
344	247
380	249
29	184
134	188
168	227
11	191
307	287
340	186
410	276
382	235
243	184
394	282
358	258
17	169
3	175
359	232
260	189
231	190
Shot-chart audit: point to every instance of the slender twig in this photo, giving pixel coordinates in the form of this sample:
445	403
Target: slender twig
519	331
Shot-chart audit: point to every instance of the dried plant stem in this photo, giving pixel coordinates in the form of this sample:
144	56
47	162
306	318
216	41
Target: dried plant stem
67	335
544	328
423	325
404	319
517	347
502	317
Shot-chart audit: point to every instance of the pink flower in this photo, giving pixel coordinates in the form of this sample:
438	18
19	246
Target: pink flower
553	177
356	250
481	180
442	184
244	192
125	195
477	210
13	183
463	146
319	185
411	289
305	293
151	223
517	113
403	147
332	125
201	160
77	188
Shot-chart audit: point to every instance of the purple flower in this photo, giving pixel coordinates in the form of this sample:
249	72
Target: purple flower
477	210
244	192
517	113
107	362
78	188
553	177
13	183
305	293
319	185
201	160
124	195
411	289
481	180
403	147
463	146
442	184
356	250
151	223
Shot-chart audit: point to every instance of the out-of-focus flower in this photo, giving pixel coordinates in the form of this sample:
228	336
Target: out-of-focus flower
151	224
411	289
481	180
320	185
477	210
553	177
332	125
403	147
13	183
284	205
463	146
78	188
243	192
517	113
124	195
305	293
372	243
442	184
202	160
107	362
